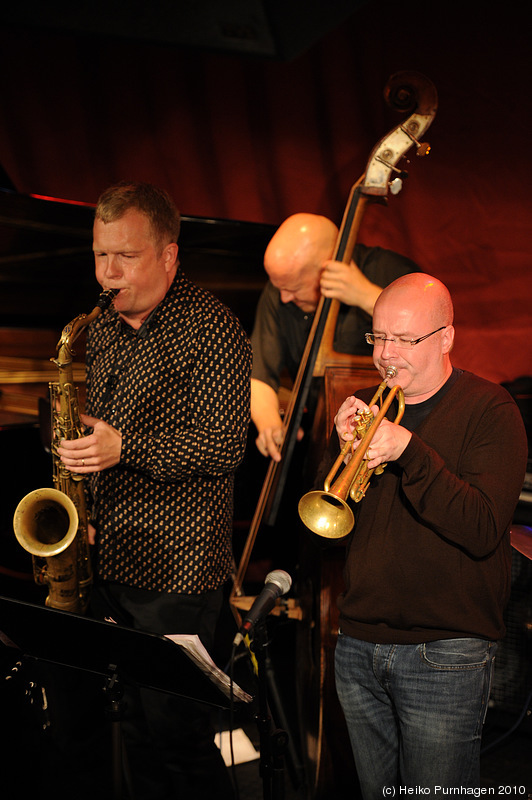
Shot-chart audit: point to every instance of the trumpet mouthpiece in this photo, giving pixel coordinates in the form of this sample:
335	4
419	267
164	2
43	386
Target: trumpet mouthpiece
391	372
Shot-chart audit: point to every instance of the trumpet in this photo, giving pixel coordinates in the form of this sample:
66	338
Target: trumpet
327	512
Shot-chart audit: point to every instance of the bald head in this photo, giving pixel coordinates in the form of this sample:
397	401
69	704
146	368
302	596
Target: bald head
295	256
416	307
419	292
301	243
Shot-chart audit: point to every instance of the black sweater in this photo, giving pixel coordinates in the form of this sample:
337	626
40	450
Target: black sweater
429	556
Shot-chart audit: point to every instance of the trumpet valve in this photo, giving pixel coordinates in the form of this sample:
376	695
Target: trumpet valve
362	422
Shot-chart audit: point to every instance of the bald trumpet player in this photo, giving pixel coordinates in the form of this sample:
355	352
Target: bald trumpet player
427	572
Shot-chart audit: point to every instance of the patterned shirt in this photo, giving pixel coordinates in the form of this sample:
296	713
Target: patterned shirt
178	390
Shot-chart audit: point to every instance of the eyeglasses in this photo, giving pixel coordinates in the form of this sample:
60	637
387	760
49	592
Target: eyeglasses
399	342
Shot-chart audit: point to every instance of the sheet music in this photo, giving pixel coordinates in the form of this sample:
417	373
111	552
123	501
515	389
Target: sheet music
193	647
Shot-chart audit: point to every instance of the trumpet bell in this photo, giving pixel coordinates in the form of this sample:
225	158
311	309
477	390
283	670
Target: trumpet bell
326	514
45	522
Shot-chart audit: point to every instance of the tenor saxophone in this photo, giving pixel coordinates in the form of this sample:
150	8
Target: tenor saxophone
52	523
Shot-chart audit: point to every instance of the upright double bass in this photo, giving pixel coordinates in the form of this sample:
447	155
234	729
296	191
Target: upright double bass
325	746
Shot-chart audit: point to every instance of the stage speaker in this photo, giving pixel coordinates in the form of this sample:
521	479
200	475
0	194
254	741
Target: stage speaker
269	28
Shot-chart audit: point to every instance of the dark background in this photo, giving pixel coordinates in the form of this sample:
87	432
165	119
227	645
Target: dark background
255	110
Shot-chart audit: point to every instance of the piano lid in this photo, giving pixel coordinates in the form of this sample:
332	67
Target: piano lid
47	268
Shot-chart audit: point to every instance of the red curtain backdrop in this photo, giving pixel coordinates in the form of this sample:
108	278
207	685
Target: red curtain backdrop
257	139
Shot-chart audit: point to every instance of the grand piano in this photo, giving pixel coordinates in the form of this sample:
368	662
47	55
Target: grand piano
47	279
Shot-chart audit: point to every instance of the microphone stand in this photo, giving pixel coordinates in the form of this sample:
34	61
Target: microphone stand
272	742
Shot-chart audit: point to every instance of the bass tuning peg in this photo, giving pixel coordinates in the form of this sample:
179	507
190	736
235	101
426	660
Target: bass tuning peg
422	148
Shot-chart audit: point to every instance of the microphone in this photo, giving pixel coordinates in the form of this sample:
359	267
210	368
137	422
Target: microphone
276	584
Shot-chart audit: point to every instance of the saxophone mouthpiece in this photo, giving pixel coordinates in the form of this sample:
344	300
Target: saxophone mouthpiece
106	298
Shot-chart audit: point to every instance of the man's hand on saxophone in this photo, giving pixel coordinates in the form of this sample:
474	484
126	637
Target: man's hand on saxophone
98	450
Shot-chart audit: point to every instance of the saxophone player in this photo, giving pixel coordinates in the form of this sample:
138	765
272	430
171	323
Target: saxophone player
168	375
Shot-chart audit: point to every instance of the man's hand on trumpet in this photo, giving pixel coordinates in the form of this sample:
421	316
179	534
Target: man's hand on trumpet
388	442
346	418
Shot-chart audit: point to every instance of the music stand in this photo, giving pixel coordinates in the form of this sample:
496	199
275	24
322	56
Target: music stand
116	653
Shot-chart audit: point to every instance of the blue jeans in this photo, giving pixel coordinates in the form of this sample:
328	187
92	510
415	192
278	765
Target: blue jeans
414	712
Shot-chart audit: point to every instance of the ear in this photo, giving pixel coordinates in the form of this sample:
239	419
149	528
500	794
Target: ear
170	256
448	339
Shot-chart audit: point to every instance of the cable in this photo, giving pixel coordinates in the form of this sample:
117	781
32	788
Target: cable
514	727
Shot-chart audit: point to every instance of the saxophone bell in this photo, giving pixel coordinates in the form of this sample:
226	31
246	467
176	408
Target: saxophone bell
45	522
46	525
